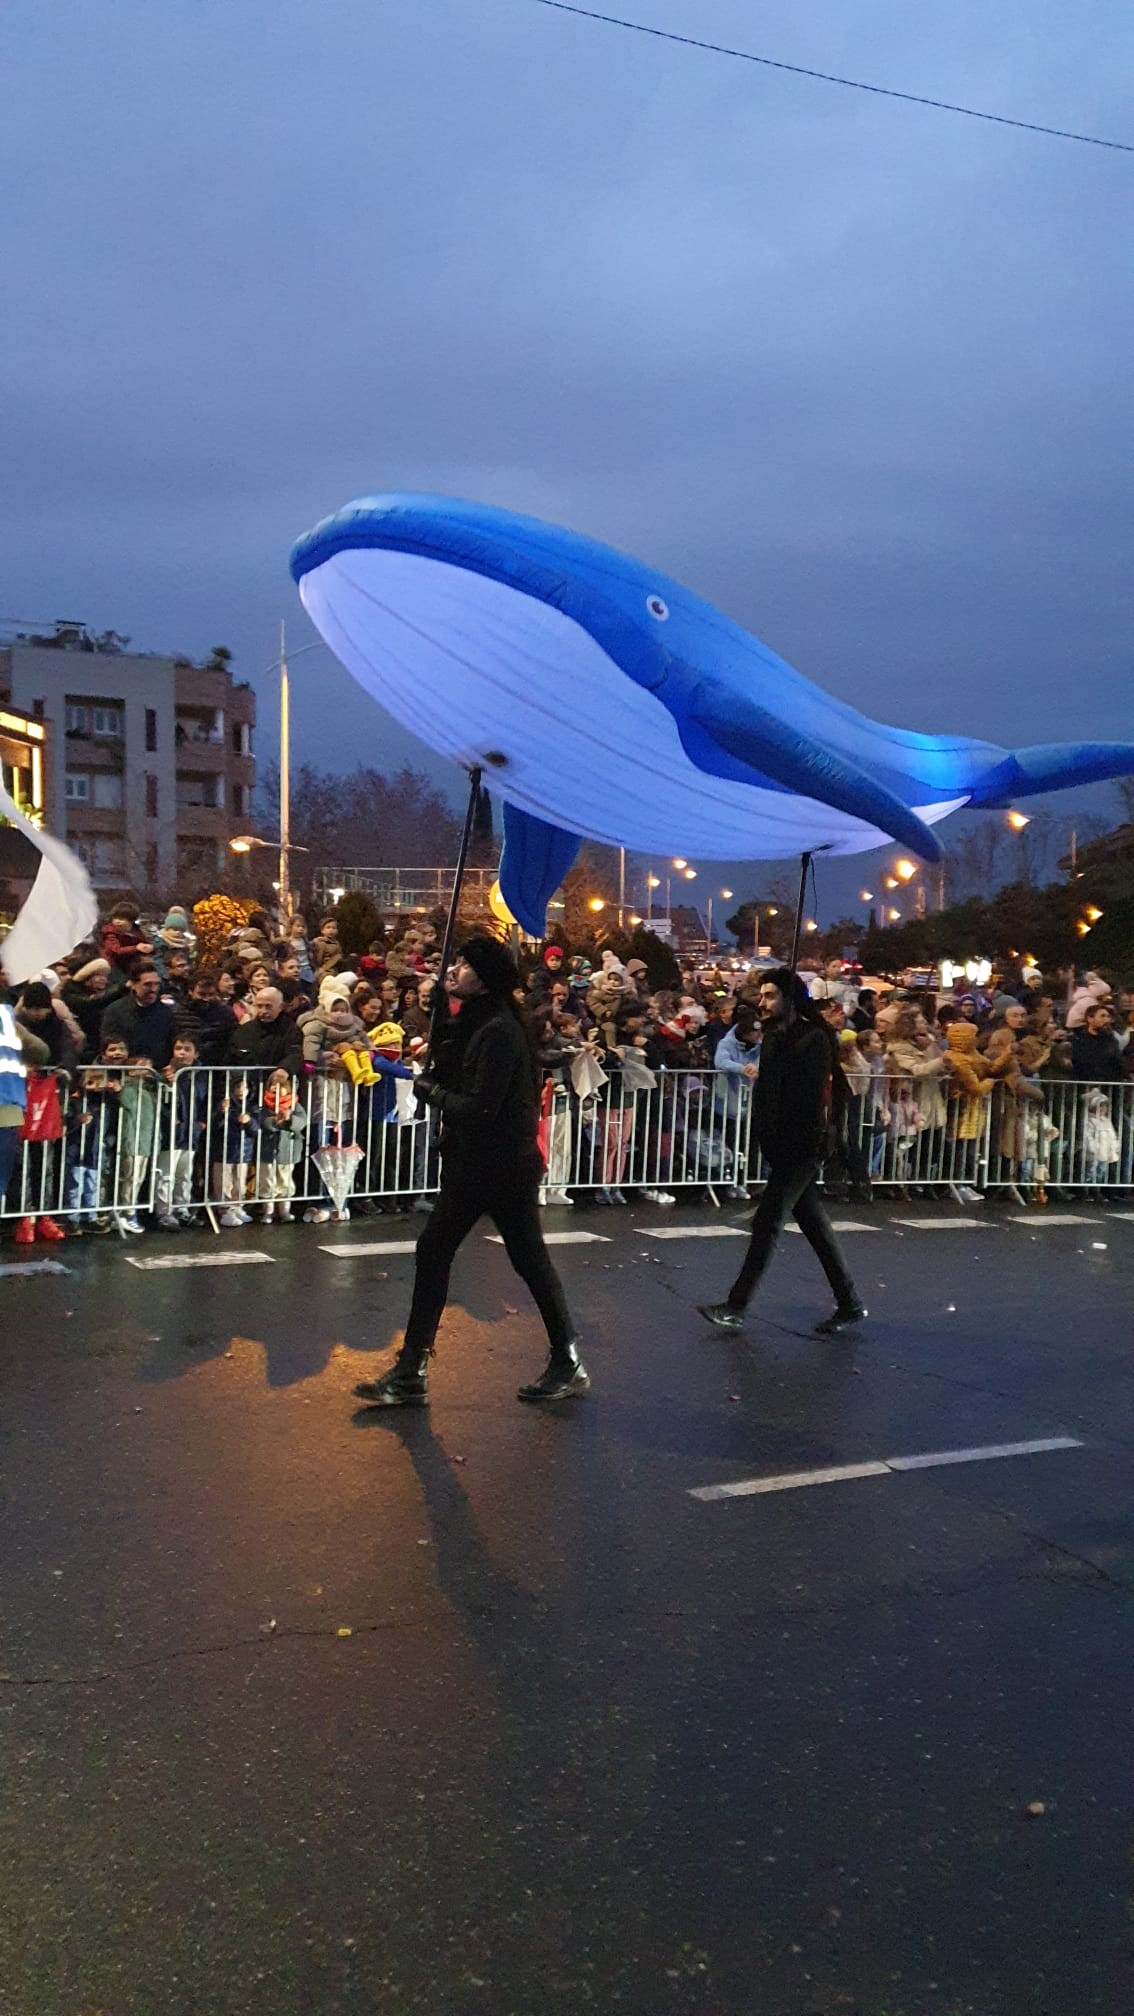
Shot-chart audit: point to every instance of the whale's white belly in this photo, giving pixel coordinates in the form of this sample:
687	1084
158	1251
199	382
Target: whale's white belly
477	669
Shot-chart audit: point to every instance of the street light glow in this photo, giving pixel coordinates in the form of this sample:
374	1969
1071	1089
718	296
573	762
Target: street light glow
894	916
596	904
891	882
811	925
1018	820
1093	914
241	846
866	895
653	881
681	864
727	894
690	874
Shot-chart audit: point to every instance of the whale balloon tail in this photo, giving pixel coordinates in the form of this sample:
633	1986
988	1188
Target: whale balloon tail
1052	766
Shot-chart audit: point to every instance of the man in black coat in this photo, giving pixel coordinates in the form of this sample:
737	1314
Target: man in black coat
1096	1054
486	1089
792	1117
269	1040
141	1019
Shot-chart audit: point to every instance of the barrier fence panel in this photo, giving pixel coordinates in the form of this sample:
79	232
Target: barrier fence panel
112	1141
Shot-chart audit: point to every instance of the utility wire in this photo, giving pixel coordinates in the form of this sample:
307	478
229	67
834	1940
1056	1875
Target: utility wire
827	77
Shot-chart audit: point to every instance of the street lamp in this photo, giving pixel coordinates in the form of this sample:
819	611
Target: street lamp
726	893
905	870
596	904
243	843
1018	820
895	916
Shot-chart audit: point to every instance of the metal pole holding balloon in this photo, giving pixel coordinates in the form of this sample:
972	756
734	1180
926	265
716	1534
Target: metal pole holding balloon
804	865
439	1010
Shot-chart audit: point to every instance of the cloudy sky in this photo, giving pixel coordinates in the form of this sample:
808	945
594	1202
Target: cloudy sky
851	368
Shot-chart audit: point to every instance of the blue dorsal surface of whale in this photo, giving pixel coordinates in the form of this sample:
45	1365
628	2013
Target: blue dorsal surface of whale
605	701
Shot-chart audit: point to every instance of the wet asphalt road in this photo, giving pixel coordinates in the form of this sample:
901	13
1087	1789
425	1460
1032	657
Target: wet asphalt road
590	1744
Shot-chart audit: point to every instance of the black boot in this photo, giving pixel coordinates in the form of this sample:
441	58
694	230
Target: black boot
404	1385
841	1317
562	1378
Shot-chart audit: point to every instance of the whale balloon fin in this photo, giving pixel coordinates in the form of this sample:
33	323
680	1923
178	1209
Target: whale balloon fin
1053	766
536	857
742	731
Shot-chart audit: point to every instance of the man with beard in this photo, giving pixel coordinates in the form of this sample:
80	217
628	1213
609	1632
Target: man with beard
484	1084
792	1121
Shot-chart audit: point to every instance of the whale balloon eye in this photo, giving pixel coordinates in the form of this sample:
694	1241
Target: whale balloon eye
657	608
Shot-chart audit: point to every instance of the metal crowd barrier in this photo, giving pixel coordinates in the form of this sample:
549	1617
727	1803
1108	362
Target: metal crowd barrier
234	1145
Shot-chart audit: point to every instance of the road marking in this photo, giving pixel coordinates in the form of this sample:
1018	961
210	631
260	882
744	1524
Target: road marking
1055	1218
560	1239
842	1225
34	1267
937	1457
797	1480
206	1260
690	1232
943	1224
364	1247
1128	1215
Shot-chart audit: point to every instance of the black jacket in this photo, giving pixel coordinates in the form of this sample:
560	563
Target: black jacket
267	1046
486	1088
792	1100
88	1011
146	1032
1095	1057
209	1023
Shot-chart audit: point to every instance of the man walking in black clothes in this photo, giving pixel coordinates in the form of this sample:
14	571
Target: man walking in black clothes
792	1118
486	1089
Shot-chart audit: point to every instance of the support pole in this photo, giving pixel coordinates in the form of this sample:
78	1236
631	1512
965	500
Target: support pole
804	865
440	1010
284	892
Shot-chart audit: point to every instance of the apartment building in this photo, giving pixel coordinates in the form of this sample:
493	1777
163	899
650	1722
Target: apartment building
150	761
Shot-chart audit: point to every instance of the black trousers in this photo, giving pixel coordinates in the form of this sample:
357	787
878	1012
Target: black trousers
510	1197
791	1192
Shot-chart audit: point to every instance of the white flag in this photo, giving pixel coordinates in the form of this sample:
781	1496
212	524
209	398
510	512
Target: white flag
60	912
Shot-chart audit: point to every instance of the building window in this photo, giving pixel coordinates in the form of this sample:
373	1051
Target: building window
151	730
77	787
107	860
78	718
194	790
107	790
151	795
240	800
151	864
241	739
107	721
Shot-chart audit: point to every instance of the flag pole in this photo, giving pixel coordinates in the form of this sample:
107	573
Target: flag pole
440	1008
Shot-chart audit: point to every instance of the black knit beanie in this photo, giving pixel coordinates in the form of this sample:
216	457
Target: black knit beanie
794	991
493	965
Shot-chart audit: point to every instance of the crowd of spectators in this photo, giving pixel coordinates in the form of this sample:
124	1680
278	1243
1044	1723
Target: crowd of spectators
112	1088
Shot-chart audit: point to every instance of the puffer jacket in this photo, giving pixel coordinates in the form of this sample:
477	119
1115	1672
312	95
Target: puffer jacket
1092	991
970	1085
320	1034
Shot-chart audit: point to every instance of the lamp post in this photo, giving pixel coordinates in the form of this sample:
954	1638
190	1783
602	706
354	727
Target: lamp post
726	893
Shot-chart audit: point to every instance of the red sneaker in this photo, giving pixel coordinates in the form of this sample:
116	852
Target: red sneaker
24	1232
48	1229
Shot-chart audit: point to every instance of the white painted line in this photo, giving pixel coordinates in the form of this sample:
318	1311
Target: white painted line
797	1480
206	1260
842	1225
364	1247
1054	1218
943	1224
793	1480
34	1267
561	1239
938	1457
690	1232
1128	1215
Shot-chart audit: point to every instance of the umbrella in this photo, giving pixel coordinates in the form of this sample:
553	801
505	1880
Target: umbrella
338	1168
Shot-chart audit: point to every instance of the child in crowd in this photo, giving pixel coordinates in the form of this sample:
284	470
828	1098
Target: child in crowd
137	1138
182	1130
282	1123
234	1131
92	1131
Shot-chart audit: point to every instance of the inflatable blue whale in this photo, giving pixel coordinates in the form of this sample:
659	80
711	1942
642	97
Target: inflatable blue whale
605	701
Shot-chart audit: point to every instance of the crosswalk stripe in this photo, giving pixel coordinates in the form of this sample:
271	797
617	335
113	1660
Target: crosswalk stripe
560	1239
